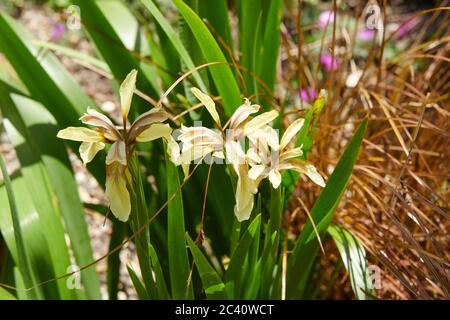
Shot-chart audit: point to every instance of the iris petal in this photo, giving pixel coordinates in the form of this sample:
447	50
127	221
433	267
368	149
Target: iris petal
242	113
208	103
117	192
275	178
291	132
117	153
80	134
155	131
259	121
126	92
88	150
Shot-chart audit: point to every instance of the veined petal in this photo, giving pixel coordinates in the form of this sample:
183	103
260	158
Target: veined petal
117	153
117	192
275	178
265	135
259	121
259	149
146	119
234	153
155	131
305	167
291	153
242	113
88	150
208	103
126	92
97	119
291	132
80	134
256	171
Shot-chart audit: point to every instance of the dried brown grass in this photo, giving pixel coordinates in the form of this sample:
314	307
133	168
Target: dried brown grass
397	202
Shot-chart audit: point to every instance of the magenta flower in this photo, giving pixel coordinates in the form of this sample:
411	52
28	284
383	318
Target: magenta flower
325	18
328	62
308	94
58	31
406	27
366	34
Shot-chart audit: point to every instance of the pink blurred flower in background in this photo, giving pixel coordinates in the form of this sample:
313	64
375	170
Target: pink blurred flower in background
366	34
325	18
328	62
406	27
58	31
308	94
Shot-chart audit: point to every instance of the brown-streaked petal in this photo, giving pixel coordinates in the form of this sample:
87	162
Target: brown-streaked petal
117	153
242	113
97	119
116	191
259	149
153	132
265	135
235	154
144	120
80	134
126	91
88	150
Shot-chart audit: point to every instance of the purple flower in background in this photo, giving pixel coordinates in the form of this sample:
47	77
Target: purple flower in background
308	94
58	31
366	34
406	27
328	62
325	18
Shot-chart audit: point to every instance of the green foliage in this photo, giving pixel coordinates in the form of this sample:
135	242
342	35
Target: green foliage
354	257
42	207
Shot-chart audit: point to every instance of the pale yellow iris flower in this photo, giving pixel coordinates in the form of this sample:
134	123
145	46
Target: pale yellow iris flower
146	127
268	158
199	142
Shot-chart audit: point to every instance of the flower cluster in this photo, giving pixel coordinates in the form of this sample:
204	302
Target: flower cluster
265	157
